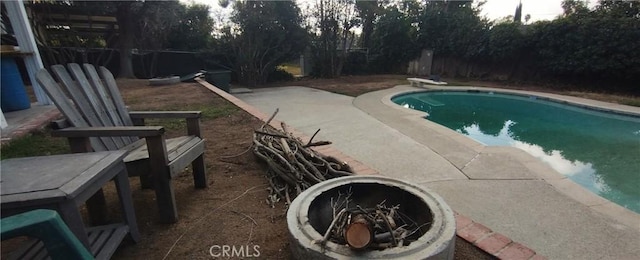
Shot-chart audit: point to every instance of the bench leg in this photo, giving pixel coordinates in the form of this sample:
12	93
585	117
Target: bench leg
199	172
97	208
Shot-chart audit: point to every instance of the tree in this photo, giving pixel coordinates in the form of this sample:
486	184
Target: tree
451	28
126	13
619	8
149	24
574	7
590	46
335	19
517	17
367	12
393	41
266	34
193	29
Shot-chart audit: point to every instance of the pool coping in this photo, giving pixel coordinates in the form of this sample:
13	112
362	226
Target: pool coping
560	182
479	235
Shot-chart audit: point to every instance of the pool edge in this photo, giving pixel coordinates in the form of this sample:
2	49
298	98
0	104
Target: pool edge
560	183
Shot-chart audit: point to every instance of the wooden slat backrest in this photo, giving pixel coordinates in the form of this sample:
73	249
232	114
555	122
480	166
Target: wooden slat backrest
110	84
108	100
96	100
83	103
65	106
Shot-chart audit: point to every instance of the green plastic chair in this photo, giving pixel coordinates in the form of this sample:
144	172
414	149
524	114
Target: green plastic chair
47	226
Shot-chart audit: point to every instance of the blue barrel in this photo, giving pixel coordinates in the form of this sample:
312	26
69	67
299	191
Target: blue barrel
13	94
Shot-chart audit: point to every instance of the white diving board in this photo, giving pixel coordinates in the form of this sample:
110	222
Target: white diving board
420	82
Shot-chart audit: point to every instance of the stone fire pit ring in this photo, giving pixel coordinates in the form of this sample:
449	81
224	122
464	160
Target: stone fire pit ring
310	213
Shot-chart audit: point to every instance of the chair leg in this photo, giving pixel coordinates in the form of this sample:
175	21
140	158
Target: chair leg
146	181
165	198
199	172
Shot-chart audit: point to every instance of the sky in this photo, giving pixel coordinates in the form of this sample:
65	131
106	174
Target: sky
538	9
492	9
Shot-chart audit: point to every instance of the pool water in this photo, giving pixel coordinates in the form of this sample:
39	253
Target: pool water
598	150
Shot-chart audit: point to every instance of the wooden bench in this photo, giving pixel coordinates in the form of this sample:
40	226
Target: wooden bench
63	183
421	82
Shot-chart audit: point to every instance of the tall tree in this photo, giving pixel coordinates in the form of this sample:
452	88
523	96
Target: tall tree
335	20
193	29
265	34
393	41
517	17
126	13
574	7
619	8
368	12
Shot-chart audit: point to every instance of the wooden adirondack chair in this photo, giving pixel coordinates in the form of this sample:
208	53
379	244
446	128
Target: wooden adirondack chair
101	122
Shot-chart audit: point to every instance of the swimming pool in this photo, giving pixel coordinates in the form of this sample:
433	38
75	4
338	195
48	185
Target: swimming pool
596	149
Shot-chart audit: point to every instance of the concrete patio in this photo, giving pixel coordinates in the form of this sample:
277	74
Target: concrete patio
503	188
21	122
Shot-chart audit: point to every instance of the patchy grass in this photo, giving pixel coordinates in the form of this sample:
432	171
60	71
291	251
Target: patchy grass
620	99
208	112
632	102
35	144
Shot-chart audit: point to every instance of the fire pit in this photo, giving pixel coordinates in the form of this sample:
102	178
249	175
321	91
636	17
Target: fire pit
349	217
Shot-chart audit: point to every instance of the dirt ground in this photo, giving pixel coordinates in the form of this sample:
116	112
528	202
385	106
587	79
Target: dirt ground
233	210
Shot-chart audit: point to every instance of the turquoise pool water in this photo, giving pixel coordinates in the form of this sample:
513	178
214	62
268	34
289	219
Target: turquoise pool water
598	150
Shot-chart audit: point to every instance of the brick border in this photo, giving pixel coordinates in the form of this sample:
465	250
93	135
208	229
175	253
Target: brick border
473	232
35	123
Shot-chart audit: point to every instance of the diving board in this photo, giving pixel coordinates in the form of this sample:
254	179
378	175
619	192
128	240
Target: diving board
420	82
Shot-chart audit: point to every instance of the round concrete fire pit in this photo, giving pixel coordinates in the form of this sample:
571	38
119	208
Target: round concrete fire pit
311	213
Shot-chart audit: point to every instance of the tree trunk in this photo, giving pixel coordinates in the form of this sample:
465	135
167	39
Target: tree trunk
125	25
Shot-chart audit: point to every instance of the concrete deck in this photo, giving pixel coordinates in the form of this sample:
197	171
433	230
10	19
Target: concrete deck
503	188
25	121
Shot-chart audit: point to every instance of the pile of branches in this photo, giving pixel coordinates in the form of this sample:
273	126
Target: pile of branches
379	227
292	165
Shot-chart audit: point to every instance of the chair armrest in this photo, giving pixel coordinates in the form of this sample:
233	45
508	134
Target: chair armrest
165	114
47	226
192	117
140	131
59	124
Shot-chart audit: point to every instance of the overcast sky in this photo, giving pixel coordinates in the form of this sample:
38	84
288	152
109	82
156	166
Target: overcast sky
538	9
493	9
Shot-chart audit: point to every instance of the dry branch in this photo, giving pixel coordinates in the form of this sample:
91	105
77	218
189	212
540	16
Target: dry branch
376	228
293	166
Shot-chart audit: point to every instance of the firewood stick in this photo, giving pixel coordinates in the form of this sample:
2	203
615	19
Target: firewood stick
358	234
325	238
